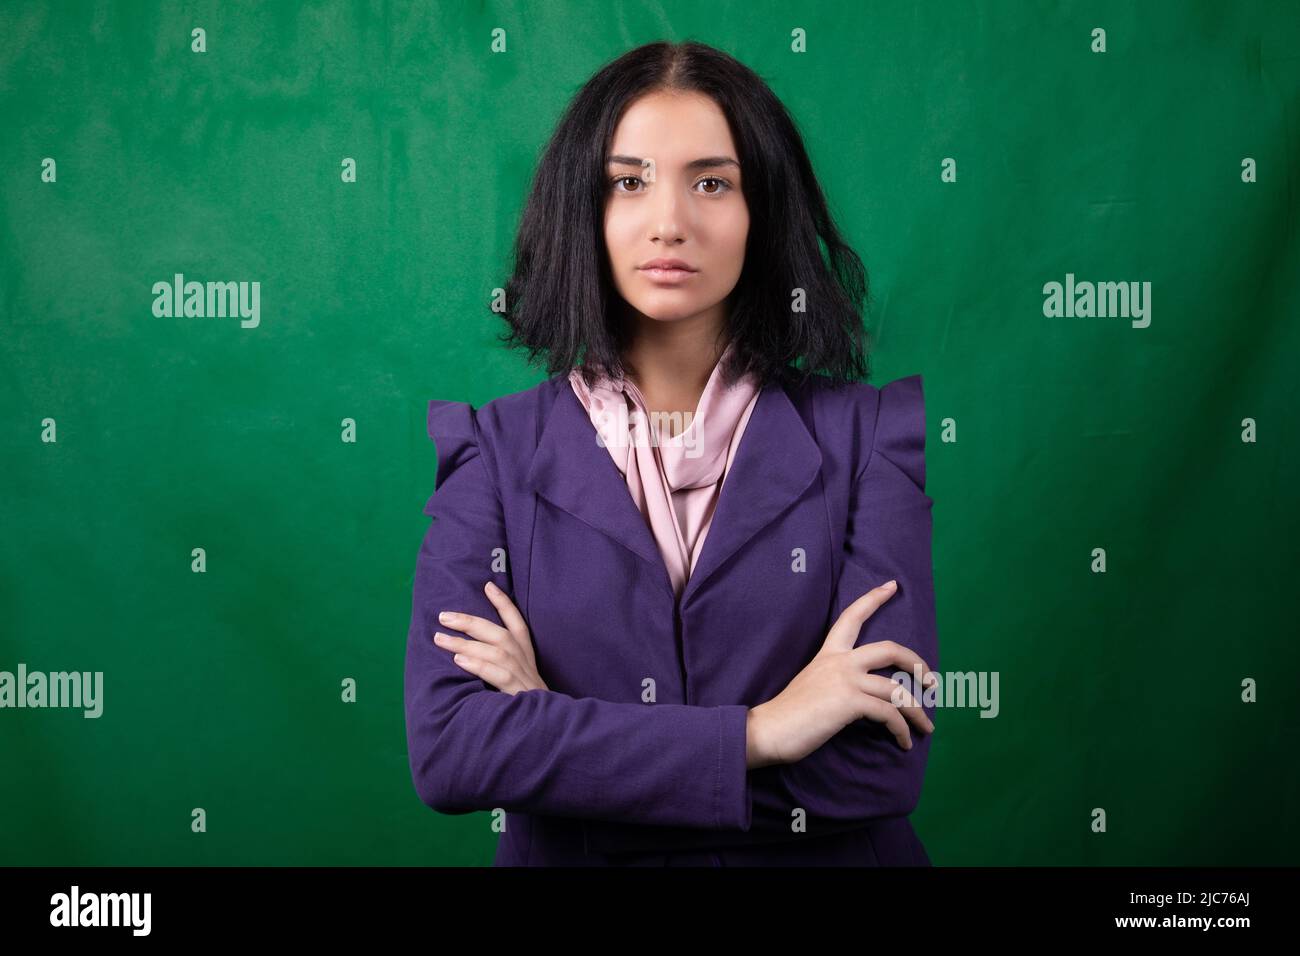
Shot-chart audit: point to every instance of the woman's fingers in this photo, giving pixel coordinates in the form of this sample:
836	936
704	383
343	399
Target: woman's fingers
501	656
891	690
510	616
881	654
883	712
476	627
496	675
844	632
462	645
485	660
844	635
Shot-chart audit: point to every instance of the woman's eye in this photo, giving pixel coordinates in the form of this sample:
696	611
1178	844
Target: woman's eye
721	184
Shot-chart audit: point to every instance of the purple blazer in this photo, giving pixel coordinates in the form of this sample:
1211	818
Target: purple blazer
636	752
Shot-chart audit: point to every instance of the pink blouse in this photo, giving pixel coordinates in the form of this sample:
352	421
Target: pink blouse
675	481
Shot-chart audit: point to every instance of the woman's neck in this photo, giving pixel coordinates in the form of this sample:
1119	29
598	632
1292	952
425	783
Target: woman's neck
671	362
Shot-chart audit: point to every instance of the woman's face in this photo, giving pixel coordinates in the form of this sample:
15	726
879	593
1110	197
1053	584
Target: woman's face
686	205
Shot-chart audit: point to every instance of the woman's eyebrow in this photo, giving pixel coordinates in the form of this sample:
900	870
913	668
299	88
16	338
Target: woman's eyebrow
707	162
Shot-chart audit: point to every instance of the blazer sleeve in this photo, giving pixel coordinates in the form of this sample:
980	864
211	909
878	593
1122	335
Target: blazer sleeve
862	773
473	747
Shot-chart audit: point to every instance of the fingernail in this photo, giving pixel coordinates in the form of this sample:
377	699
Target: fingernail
439	637
446	617
890	584
492	588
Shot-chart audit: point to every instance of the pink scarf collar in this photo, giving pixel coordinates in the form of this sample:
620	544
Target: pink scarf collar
674	480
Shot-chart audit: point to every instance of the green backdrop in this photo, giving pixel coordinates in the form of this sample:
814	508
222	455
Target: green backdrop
1049	436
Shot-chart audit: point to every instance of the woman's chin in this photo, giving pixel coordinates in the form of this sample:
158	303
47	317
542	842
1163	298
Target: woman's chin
659	311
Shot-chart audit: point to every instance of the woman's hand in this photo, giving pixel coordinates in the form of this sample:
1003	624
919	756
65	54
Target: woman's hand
502	656
836	689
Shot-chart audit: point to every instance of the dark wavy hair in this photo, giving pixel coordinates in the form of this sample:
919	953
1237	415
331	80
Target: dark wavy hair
560	298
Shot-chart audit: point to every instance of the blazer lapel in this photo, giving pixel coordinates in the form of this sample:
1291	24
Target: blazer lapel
775	463
574	472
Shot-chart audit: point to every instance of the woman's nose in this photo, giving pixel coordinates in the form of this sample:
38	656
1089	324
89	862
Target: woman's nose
668	211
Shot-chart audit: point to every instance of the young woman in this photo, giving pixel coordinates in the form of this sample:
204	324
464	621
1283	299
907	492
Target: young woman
659	605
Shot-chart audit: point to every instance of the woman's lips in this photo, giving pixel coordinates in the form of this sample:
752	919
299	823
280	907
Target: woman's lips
667	276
